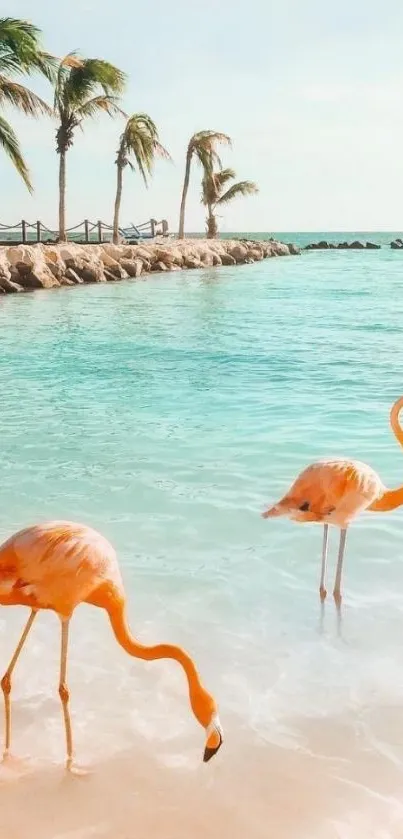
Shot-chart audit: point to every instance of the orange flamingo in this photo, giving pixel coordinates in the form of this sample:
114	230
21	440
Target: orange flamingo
335	492
58	565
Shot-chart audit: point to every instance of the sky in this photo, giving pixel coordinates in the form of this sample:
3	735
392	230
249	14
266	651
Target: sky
310	92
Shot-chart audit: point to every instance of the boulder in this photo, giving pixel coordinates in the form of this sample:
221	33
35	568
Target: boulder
133	267
372	246
216	259
295	250
193	262
256	254
239	252
110	276
280	249
89	273
397	244
227	259
169	256
159	266
73	276
6	284
357	245
38	276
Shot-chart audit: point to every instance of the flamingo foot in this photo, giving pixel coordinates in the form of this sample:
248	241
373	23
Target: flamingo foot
77	771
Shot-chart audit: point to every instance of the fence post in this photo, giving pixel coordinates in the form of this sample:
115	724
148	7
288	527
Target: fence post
152	225
24	232
38	231
164	227
87	232
100	232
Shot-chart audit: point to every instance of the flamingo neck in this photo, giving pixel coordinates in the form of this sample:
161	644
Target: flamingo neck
200	700
390	500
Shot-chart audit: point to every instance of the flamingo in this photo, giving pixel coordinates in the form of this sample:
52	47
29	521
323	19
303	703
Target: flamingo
58	565
335	492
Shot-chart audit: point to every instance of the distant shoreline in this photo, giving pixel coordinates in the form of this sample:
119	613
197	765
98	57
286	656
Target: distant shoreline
30	267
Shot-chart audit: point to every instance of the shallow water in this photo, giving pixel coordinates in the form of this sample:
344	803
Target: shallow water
167	414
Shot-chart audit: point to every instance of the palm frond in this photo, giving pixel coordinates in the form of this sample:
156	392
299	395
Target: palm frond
92	73
92	107
20	49
241	188
22	98
10	144
140	141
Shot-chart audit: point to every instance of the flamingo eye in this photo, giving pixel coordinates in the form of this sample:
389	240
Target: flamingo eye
304	507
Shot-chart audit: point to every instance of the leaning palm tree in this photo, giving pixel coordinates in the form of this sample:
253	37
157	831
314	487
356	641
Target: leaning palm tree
213	194
139	141
202	146
20	54
83	88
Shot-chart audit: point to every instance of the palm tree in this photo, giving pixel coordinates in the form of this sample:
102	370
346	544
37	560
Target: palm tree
202	146
213	194
83	88
20	53
140	141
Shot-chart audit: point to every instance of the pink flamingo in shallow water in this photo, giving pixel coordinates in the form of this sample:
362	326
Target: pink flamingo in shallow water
59	565
335	492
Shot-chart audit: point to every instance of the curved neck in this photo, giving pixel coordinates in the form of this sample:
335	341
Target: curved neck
390	500
197	694
394	420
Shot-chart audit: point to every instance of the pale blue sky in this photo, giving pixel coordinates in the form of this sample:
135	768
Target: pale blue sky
311	91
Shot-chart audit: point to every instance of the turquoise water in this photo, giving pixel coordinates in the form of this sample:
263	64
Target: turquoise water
167	414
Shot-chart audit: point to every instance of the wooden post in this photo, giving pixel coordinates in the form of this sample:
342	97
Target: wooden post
152	225
99	232
164	227
24	232
38	231
87	231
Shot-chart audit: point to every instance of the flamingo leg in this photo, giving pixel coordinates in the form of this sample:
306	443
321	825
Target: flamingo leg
64	692
322	588
6	680
337	582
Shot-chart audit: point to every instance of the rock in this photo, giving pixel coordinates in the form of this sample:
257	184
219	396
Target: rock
227	259
256	254
280	249
295	250
133	267
372	246
6	284
239	252
169	256
71	275
397	244
206	257
38	277
66	281
216	259
159	266
90	273
357	245
193	262
113	266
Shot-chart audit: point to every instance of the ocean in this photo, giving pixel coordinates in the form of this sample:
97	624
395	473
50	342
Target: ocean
168	413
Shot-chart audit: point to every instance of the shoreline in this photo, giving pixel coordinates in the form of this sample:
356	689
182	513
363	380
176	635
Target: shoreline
30	267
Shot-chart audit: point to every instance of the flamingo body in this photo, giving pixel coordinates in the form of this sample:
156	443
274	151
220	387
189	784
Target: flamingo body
58	565
335	492
330	491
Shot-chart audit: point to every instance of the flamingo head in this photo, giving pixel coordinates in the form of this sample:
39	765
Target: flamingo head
297	509
205	711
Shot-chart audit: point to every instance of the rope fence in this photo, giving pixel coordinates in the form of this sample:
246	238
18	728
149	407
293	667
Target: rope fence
87	232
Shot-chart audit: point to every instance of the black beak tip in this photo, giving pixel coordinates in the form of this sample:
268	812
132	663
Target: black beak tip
209	753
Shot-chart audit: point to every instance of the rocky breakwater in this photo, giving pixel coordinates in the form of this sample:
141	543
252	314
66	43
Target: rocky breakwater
321	246
29	267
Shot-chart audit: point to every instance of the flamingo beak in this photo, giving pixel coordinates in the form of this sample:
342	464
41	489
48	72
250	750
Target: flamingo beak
214	739
272	512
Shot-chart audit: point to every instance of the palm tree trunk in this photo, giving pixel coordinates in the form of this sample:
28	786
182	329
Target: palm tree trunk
117	204
212	229
62	196
181	234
